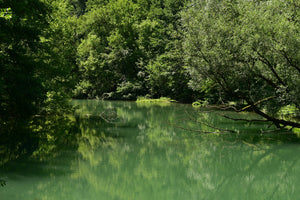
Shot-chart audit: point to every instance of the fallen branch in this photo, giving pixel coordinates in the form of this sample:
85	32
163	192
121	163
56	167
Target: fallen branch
208	125
193	130
240	119
226	107
249	144
113	116
277	122
223	107
273	130
258	102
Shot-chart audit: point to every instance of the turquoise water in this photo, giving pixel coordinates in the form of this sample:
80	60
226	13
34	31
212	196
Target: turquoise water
128	151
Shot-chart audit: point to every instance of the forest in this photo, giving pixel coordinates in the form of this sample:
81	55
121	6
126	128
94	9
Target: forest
231	54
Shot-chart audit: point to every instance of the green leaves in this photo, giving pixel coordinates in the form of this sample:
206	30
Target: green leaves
120	41
20	47
246	48
5	13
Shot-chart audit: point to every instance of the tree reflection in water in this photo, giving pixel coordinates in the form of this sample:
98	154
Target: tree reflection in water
140	156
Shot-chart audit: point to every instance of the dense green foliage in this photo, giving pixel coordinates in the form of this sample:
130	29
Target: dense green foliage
246	52
20	58
36	59
249	50
130	49
122	49
35	74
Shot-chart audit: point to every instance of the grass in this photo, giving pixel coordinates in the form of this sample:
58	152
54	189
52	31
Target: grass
160	100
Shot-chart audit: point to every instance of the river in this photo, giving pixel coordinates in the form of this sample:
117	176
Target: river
139	151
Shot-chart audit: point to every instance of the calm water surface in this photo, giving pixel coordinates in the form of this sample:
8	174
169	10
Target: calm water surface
129	151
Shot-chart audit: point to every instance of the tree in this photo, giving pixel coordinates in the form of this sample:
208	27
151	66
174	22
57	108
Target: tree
60	41
35	82
126	50
21	90
250	50
108	50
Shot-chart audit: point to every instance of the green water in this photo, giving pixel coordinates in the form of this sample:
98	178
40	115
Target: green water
129	151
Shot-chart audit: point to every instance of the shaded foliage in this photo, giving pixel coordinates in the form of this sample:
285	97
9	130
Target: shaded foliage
21	90
35	78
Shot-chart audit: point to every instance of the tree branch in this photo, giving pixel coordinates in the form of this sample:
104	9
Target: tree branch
187	129
270	66
291	63
208	125
240	119
276	121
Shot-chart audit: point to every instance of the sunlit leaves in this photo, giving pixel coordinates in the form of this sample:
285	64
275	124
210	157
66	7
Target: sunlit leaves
5	13
121	40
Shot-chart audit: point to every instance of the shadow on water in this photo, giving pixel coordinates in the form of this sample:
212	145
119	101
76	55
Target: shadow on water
124	150
33	141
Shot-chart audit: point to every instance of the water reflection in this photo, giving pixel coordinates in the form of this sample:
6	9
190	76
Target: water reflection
138	155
